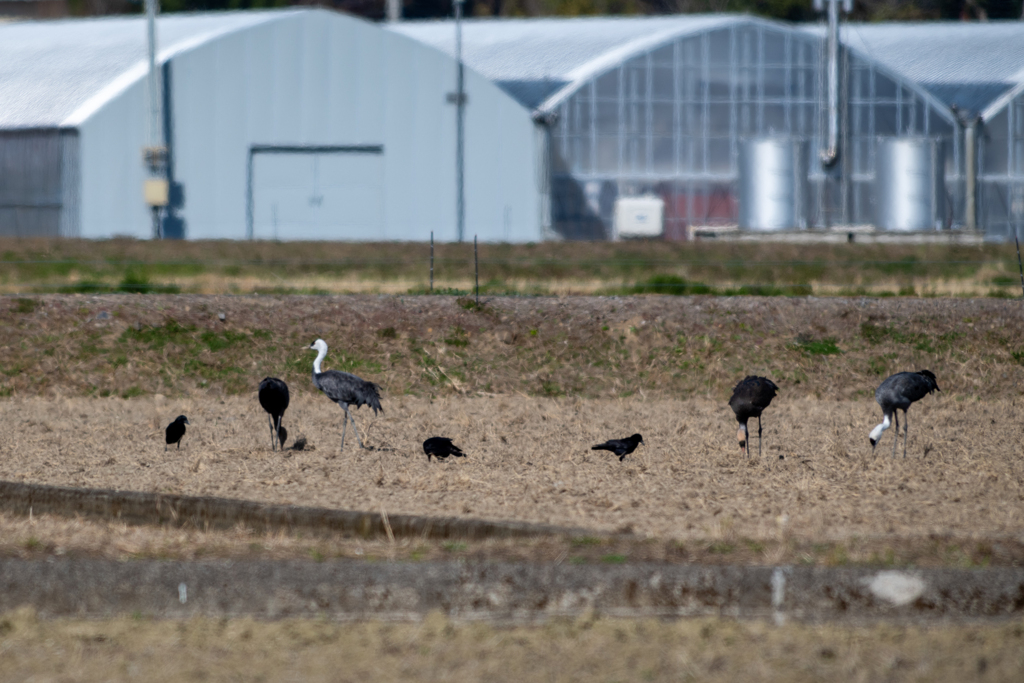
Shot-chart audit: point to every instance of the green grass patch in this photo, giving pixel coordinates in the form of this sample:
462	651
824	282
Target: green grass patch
667	284
817	347
26	305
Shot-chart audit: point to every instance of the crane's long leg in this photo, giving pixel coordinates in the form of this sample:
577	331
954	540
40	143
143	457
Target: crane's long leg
896	436
272	442
358	438
344	427
906	428
759	436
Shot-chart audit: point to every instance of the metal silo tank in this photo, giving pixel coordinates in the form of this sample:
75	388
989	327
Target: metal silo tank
909	187
773	184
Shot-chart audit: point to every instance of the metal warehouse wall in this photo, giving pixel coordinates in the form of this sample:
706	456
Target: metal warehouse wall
39	183
334	91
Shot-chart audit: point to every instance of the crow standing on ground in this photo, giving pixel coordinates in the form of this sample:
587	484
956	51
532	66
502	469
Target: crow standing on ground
175	431
750	397
897	392
274	399
441	447
344	389
620	447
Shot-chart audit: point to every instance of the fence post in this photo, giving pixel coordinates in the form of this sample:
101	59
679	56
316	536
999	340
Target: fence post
476	270
431	261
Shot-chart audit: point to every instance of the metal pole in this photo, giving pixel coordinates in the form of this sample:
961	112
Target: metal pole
971	171
831	152
431	261
155	136
460	143
1019	265
476	269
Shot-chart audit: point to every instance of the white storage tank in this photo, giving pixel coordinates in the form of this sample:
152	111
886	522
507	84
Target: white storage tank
773	189
639	217
909	188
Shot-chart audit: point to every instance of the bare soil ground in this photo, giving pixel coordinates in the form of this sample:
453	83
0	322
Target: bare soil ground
587	649
526	386
530	460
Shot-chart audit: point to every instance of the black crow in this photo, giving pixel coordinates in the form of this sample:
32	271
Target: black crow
441	447
620	447
175	431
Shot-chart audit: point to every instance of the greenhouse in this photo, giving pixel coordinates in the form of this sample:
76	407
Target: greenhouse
710	118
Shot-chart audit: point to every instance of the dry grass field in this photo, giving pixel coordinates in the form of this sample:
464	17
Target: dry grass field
529	460
526	386
552	268
436	650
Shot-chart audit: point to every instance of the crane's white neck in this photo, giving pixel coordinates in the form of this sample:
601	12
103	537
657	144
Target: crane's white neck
877	431
321	353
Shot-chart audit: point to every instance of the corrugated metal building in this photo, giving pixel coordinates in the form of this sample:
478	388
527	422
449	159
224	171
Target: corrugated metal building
293	124
664	106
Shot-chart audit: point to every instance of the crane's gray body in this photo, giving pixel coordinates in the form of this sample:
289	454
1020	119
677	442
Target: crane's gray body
897	392
345	389
749	399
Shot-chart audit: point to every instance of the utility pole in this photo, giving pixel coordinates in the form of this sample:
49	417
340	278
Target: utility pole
460	128
154	155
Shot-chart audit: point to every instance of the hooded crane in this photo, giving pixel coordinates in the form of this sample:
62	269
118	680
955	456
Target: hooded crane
274	399
749	399
897	392
620	447
175	431
344	389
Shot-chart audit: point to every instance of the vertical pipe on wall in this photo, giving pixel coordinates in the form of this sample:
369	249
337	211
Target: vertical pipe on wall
971	173
830	154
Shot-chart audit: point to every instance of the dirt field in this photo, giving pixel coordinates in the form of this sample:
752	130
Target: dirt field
436	650
526	386
529	460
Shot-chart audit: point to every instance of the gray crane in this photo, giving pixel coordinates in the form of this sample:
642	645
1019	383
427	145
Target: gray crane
344	389
897	392
749	399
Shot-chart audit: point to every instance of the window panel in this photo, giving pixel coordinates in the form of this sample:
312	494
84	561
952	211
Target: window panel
636	83
885	88
607	154
662	119
608	118
885	119
775	118
608	85
774	83
719	47
718	119
774	48
719	155
662	83
664	54
664	154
